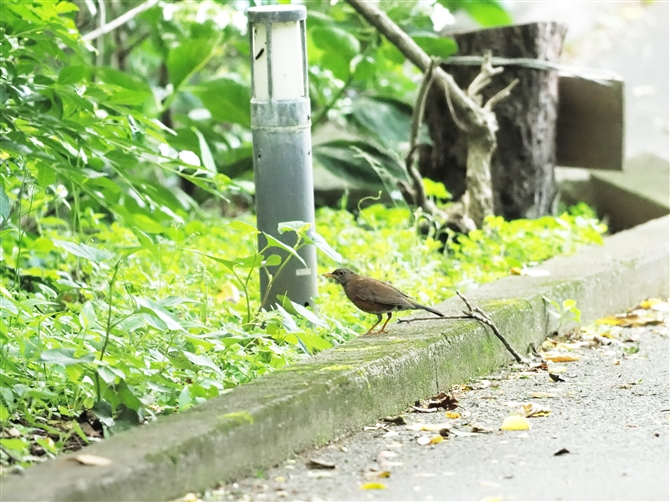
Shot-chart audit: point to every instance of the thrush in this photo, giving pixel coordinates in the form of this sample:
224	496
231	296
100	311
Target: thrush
375	297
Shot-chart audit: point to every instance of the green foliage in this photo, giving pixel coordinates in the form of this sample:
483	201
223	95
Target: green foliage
129	329
121	297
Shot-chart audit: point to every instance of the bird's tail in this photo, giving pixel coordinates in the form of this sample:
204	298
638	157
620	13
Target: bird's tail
429	309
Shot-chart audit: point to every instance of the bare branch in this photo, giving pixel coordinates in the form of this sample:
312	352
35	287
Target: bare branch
478	315
119	21
501	95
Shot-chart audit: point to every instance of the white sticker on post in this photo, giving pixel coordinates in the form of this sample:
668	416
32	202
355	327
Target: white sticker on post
303	271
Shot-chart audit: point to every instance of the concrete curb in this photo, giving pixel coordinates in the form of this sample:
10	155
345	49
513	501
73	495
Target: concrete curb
340	390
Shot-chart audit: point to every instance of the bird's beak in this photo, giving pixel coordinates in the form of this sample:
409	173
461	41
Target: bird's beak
328	274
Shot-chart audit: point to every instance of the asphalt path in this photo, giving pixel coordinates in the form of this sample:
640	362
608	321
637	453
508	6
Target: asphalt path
603	434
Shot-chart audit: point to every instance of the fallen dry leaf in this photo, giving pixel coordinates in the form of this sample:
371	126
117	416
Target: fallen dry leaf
427	427
515	423
377	474
423	410
11	432
425	440
556	378
480	429
562	451
89	430
316	463
456	432
452	414
373	486
398	420
535	410
629	321
443	400
560	357
649	303
86	459
542	395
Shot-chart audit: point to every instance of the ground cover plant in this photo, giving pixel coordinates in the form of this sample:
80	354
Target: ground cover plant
103	333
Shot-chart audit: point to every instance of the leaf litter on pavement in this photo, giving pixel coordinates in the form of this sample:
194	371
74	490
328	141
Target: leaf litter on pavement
486	408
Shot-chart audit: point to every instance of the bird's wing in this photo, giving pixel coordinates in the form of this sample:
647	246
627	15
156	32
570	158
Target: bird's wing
372	290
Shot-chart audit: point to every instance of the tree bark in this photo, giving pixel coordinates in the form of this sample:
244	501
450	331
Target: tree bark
522	167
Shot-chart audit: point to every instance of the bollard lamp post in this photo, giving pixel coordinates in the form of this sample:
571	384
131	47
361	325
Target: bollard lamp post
282	145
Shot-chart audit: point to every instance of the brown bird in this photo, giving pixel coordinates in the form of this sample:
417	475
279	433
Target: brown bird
375	297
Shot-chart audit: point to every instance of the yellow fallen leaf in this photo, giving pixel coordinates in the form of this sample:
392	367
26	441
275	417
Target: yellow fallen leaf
647	304
515	423
560	357
452	415
629	321
377	474
86	459
373	486
557	370
611	321
425	440
280	479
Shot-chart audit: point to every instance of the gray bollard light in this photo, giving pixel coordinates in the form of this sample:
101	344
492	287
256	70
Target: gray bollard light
282	143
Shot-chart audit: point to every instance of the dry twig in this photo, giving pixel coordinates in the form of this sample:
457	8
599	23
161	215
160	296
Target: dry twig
478	315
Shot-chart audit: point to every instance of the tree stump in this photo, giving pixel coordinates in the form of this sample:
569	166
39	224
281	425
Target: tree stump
522	167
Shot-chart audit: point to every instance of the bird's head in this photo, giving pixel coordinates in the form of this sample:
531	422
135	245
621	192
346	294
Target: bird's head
341	275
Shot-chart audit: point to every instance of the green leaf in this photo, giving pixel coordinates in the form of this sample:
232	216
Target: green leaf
205	153
64	356
324	247
185	398
8	305
202	361
386	119
96	255
287	321
4	413
343	158
72	74
433	45
229	264
87	317
313	342
485	12
272	242
335	40
227	99
148	306
294	226
103	412
244	227
309	315
189	57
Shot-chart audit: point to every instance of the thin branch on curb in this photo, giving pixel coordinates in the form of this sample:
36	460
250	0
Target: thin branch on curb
119	21
478	315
